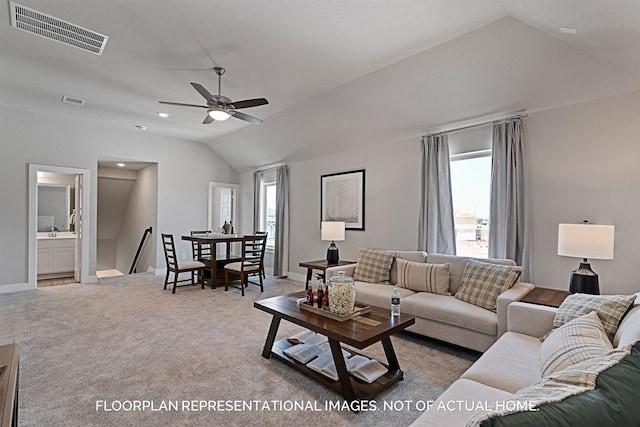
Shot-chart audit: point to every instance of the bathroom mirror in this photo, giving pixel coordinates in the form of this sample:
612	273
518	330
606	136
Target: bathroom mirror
56	199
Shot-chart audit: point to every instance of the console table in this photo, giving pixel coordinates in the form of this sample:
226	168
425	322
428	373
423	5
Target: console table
9	369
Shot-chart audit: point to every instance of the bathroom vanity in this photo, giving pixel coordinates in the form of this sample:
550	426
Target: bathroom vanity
56	254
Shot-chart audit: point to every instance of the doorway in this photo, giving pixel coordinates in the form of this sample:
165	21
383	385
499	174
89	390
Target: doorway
222	207
58	224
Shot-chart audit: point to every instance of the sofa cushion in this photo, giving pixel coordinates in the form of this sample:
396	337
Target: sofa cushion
379	295
450	410
575	341
415	256
610	400
449	310
629	329
423	277
510	364
482	282
610	309
373	265
458	263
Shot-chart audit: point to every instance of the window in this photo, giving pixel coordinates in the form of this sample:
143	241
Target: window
470	190
268	216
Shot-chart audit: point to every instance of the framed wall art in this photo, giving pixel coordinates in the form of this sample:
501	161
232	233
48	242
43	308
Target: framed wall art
342	198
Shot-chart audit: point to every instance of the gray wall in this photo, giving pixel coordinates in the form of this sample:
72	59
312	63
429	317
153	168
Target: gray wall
583	164
184	170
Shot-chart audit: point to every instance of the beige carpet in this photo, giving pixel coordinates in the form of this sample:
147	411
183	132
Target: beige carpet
126	340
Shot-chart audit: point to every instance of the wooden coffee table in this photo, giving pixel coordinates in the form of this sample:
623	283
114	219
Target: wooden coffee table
359	332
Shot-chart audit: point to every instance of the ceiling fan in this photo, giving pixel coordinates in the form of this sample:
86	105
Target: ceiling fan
220	107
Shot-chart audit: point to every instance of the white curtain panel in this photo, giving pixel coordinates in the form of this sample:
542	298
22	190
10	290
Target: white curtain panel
436	230
509	228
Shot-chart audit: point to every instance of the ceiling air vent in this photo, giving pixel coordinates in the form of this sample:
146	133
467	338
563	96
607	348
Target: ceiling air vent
56	29
72	100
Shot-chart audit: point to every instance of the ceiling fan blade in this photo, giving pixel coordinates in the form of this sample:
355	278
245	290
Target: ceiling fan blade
202	91
247	103
180	104
207	120
246	117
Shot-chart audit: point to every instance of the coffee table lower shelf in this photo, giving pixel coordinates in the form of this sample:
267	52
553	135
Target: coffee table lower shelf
361	389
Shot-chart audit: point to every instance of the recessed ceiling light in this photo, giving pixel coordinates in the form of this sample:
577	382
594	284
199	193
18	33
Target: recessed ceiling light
121	165
140	127
568	30
164	115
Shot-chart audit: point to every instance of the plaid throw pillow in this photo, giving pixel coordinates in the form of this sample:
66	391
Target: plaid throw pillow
580	339
423	277
373	265
610	309
482	282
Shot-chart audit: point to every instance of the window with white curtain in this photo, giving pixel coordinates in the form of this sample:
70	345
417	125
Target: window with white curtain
268	212
470	191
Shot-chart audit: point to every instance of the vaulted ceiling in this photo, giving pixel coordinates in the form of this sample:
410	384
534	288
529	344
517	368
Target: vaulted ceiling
338	74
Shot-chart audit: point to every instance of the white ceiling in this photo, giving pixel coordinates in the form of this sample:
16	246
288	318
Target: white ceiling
338	74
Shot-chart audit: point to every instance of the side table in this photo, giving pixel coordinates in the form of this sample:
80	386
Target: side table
545	296
322	265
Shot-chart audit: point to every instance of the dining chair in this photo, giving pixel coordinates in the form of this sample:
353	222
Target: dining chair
202	252
262	265
176	266
251	263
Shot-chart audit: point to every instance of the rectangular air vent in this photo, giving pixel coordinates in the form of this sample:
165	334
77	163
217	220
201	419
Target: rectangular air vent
72	100
56	29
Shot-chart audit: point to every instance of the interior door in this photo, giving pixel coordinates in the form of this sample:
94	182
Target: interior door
225	206
77	227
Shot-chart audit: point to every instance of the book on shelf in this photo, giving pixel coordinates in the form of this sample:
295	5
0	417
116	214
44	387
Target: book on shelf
365	369
308	337
303	353
325	365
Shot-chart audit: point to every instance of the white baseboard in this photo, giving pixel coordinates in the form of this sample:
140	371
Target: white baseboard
17	287
160	272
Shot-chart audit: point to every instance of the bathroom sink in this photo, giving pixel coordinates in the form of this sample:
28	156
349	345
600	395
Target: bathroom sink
56	235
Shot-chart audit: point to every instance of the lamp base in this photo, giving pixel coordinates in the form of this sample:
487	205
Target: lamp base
584	280
333	256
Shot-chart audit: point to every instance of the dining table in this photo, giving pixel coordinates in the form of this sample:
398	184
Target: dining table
218	260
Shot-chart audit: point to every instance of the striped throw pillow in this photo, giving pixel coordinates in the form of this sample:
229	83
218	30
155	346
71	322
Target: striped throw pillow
423	277
373	265
482	282
578	340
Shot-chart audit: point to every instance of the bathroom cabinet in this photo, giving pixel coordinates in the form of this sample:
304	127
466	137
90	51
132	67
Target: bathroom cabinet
56	255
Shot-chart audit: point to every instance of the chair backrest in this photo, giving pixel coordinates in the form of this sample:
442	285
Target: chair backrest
169	251
253	247
205	248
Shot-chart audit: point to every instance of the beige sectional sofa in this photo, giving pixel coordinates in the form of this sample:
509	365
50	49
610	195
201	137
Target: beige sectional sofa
443	317
513	363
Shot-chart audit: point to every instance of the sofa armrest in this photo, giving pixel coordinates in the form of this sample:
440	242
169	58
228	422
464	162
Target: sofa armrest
349	270
530	319
514	293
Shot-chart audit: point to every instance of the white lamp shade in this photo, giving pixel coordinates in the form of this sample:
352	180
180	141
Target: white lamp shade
333	230
586	241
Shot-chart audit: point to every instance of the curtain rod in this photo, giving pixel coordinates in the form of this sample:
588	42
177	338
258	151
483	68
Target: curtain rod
514	115
267	167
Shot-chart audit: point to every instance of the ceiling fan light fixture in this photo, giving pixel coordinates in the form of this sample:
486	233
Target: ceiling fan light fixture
219	114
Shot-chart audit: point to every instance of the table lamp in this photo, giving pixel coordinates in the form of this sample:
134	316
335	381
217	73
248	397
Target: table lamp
585	241
332	230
